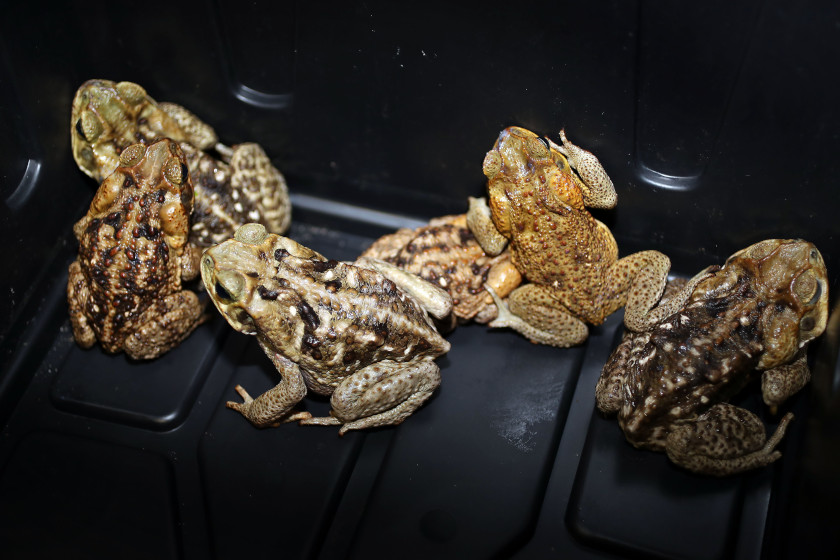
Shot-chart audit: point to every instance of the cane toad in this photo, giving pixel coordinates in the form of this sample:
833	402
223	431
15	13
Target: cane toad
241	187
125	288
358	332
446	253
538	197
670	385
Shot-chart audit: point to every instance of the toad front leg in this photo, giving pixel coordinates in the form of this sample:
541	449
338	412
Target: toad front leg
272	407
724	440
382	394
779	383
480	223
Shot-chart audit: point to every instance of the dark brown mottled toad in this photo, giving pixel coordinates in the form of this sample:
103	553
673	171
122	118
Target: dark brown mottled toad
124	290
753	316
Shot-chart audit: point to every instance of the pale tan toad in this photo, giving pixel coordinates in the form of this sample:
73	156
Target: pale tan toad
359	332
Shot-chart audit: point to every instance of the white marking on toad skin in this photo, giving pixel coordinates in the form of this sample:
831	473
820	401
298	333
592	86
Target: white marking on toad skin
234	195
684	319
220	176
676	411
647	358
254	215
650	401
704	399
668	347
238	207
694	351
744	320
666	326
292	310
328	275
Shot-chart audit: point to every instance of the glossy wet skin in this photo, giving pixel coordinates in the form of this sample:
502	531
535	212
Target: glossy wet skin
124	290
359	332
538	194
754	316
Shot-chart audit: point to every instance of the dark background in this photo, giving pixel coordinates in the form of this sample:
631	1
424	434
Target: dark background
717	122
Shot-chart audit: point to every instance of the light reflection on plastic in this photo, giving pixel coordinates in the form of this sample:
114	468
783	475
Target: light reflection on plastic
670	182
27	184
260	99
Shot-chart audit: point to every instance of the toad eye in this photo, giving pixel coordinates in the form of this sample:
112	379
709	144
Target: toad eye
132	155
222	292
174	171
807	289
88	126
229	286
537	148
492	164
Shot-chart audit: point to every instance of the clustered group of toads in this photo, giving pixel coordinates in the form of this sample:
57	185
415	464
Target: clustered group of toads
174	203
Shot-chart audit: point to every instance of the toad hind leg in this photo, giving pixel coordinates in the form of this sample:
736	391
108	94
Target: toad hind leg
77	295
382	394
254	176
164	325
724	440
547	321
272	407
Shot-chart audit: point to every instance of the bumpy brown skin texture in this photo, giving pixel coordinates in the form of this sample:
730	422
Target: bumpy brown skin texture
107	117
124	290
753	316
330	327
446	253
538	203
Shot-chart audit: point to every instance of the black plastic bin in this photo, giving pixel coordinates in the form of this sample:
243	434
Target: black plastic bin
718	123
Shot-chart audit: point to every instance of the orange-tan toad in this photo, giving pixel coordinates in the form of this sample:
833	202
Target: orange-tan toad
538	193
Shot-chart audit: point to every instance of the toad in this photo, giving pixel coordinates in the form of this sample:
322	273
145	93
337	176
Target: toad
125	287
446	253
753	316
359	332
538	194
239	187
